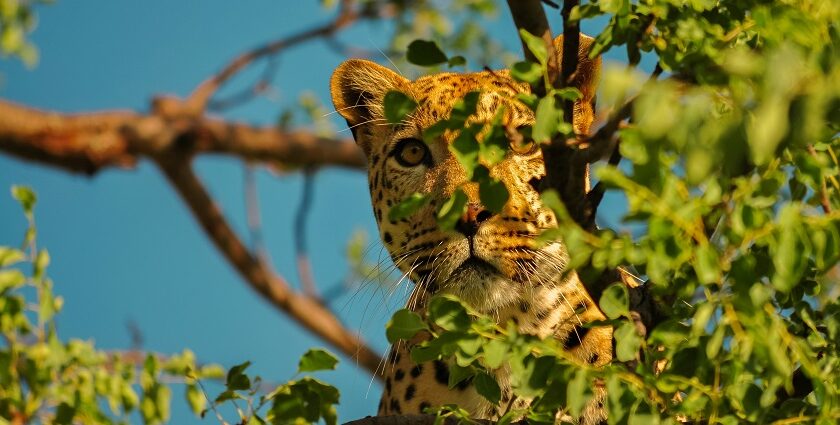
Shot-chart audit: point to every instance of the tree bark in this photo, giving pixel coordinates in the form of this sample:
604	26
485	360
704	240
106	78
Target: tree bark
87	143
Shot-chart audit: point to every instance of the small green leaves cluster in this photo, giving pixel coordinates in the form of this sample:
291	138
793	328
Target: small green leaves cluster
730	176
17	19
476	347
425	30
45	379
299	401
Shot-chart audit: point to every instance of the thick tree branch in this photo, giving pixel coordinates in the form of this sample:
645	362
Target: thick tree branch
305	310
569	61
87	143
530	16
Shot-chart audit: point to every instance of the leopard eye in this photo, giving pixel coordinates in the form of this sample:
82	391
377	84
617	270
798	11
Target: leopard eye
411	152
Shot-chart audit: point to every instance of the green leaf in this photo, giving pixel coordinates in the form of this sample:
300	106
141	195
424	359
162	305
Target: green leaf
459	374
495	352
536	45
463	109
614	301
196	399
495	144
237	379
578	392
527	72
494	195
227	395
714	343
547	119
449	314
528	373
627	342
487	387
64	414
404	324
11	279
397	106
452	210
706	264
408	206
26	197
790	252
317	359
10	256
465	148
425	53
456	61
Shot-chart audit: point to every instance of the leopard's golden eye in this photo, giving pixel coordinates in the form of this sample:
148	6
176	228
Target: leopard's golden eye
411	153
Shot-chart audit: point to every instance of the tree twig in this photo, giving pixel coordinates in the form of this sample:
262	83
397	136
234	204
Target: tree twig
261	86
252	213
200	97
304	267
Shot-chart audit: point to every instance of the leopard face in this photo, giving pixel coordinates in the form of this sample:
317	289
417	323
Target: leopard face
490	260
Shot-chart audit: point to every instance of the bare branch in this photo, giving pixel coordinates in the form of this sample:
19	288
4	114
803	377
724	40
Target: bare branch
87	143
200	97
260	87
305	310
252	213
304	267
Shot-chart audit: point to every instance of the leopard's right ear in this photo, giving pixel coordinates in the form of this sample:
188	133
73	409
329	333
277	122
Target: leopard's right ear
358	87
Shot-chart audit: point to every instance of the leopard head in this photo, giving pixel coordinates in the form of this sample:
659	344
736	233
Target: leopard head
490	260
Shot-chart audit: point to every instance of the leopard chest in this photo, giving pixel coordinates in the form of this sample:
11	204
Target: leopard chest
560	312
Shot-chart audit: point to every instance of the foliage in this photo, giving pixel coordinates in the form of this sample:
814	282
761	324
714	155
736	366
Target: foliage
46	380
731	170
16	20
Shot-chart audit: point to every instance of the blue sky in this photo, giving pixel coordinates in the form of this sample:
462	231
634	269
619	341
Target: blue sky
125	248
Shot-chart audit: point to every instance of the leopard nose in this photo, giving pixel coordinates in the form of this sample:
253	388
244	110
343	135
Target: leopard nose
473	217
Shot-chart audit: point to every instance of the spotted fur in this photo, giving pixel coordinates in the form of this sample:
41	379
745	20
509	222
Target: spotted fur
496	267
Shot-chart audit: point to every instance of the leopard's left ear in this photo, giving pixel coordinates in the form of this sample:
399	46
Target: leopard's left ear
586	80
358	87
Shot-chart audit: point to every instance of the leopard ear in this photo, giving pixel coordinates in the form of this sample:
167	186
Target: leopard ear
358	87
586	80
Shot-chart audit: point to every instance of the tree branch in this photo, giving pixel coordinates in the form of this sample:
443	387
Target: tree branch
530	16
305	310
200	97
304	267
569	61
87	143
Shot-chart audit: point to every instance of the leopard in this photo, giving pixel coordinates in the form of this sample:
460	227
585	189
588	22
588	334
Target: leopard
490	260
